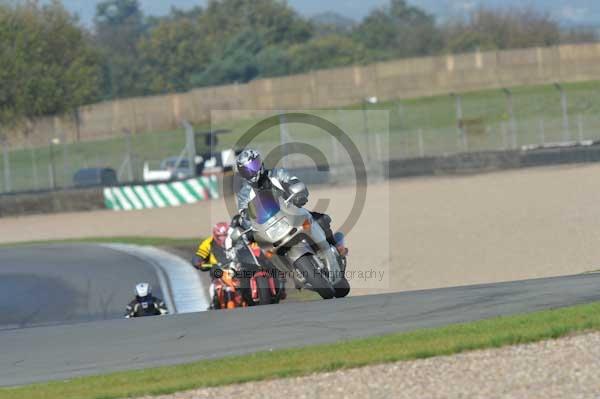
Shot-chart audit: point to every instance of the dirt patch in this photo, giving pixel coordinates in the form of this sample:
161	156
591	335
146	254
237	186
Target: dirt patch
416	233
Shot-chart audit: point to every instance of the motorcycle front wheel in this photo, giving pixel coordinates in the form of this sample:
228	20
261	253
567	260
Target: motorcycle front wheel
264	291
308	268
342	288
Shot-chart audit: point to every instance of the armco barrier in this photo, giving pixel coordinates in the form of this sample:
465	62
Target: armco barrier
552	156
194	190
489	161
161	195
477	162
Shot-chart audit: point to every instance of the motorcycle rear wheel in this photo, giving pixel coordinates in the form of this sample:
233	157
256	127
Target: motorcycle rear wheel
216	304
264	291
308	268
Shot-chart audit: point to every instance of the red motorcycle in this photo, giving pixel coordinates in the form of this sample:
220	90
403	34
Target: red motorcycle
265	285
227	293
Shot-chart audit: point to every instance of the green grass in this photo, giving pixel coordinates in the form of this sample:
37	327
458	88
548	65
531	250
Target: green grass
145	241
420	344
432	118
294	295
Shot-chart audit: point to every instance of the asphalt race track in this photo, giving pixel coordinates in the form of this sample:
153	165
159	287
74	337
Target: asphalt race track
58	352
59	284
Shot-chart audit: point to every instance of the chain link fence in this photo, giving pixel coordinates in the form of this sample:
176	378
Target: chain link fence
428	127
53	166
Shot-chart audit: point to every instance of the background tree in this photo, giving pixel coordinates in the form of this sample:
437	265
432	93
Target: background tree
326	52
399	30
331	23
498	29
274	61
237	62
47	65
229	41
50	64
170	54
274	20
119	25
576	35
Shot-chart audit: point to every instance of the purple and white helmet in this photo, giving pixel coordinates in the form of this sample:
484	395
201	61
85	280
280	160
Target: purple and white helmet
249	165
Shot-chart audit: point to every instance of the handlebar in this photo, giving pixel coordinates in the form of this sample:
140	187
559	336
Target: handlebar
289	199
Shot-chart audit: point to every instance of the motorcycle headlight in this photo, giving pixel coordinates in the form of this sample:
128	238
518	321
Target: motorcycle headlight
280	228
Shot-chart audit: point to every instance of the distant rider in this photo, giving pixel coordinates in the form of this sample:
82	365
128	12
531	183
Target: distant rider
145	304
255	177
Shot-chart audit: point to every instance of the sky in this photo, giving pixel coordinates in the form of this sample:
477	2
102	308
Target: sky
568	12
355	9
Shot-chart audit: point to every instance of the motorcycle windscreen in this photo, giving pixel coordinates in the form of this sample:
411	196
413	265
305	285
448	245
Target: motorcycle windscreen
263	207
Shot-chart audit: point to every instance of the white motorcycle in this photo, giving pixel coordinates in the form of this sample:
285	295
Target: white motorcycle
295	242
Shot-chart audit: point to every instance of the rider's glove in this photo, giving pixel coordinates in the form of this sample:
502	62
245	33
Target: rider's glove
231	253
233	266
300	200
236	221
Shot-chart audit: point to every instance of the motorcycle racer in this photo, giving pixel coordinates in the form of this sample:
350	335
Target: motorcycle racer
145	304
212	251
256	177
211	254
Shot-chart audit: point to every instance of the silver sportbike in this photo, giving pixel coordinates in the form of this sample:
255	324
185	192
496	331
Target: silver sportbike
295	243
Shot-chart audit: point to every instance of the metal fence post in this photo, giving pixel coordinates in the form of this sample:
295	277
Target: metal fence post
190	145
366	132
580	127
51	184
542	132
128	156
283	139
34	170
52	167
6	167
65	154
400	114
334	150
511	114
341	124
459	121
379	149
565	112
514	140
77	120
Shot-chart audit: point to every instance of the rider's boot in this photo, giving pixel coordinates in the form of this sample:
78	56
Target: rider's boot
335	240
340	244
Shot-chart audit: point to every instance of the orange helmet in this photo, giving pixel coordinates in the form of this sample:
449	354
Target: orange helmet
219	233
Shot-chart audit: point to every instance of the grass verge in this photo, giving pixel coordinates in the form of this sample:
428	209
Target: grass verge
295	362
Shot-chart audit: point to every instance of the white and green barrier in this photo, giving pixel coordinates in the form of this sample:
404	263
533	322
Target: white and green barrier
162	195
